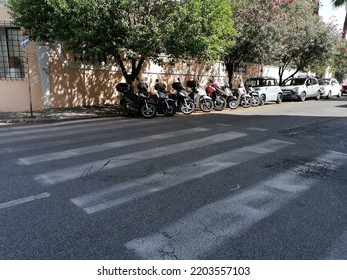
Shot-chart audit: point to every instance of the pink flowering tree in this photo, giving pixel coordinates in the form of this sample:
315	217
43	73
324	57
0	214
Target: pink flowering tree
339	57
285	33
302	39
252	20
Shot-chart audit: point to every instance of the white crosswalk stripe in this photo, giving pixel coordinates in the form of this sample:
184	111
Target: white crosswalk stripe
83	170
129	191
63	131
59	126
23	200
106	146
203	230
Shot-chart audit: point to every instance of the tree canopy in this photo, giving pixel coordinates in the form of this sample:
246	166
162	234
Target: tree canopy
130	31
337	4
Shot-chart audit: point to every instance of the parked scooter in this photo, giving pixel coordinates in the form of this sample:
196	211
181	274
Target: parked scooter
183	102
215	91
200	97
140	104
248	97
166	105
231	97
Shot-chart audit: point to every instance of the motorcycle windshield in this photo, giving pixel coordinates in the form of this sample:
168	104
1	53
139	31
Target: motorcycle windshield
228	91
183	93
200	91
163	95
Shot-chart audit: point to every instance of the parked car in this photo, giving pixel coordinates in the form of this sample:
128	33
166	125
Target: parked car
344	87
329	88
267	88
301	88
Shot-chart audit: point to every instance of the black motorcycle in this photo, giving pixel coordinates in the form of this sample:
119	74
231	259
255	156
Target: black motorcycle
140	104
183	102
166	105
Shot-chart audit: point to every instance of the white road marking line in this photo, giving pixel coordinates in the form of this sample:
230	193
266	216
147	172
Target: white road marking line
79	171
119	194
24	200
257	129
208	227
106	146
63	131
51	127
40	145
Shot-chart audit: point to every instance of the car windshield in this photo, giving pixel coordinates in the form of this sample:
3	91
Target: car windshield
295	82
324	82
254	83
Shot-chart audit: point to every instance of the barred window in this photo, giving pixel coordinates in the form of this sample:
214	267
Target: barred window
13	58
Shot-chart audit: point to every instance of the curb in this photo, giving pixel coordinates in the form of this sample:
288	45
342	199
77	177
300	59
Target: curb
56	115
51	119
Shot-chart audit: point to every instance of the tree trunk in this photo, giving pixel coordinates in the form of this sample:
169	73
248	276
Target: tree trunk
136	66
229	66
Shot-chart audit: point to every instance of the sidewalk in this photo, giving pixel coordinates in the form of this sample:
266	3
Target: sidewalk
48	115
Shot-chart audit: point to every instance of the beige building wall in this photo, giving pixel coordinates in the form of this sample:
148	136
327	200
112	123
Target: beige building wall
74	84
14	93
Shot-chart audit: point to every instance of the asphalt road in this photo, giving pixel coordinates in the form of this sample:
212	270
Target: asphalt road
259	183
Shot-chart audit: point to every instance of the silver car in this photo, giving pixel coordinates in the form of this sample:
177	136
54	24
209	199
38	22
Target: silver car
301	88
329	88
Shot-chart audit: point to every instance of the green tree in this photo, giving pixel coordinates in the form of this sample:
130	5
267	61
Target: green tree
128	31
337	4
202	30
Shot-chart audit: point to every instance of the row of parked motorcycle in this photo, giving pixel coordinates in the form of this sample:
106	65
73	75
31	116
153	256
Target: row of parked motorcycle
213	97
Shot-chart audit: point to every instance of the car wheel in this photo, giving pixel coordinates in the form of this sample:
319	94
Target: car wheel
262	100
339	95
279	98
303	96
329	94
318	95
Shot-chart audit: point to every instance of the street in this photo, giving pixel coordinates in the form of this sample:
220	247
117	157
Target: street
264	183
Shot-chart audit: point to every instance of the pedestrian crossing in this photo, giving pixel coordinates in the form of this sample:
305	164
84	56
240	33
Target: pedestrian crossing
83	170
197	232
119	194
105	146
228	218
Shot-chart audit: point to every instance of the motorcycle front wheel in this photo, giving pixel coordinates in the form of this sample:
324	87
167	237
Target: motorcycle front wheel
255	101
169	109
246	102
206	105
220	103
148	110
187	107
